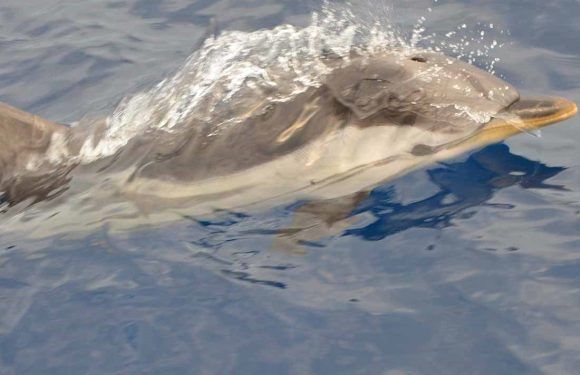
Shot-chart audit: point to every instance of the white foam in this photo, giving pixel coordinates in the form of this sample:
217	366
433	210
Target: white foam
217	83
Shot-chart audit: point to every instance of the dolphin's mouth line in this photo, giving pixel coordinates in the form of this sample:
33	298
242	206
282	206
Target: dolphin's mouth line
523	116
531	113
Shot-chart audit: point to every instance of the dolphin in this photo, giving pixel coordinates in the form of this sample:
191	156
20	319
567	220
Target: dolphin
373	117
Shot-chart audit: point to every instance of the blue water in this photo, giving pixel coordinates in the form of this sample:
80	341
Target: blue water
471	266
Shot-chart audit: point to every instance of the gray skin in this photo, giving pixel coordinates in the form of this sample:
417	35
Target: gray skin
385	90
423	90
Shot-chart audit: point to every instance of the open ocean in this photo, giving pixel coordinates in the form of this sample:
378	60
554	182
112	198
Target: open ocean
471	266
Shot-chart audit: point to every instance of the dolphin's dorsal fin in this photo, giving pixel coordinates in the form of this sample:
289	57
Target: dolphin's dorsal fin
22	132
9	113
23	136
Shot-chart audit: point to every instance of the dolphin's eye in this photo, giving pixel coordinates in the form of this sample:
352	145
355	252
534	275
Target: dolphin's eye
419	59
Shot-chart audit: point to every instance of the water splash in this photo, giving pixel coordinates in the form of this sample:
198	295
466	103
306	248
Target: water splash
229	74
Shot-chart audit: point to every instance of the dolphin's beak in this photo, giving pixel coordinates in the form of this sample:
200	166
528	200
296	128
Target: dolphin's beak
534	113
525	115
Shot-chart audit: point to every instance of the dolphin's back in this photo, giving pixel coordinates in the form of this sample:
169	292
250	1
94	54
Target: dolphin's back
270	131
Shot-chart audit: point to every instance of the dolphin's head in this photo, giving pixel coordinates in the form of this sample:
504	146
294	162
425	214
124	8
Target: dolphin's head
437	93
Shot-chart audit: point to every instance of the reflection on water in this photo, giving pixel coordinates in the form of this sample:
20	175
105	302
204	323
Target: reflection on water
461	186
178	296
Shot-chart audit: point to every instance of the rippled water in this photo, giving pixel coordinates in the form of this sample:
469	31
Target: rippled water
470	266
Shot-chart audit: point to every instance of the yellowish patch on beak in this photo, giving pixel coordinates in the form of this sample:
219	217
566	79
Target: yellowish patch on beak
527	114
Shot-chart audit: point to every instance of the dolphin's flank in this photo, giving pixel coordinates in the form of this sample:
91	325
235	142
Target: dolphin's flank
371	118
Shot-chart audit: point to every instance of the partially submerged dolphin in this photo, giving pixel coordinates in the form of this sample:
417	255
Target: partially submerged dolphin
372	117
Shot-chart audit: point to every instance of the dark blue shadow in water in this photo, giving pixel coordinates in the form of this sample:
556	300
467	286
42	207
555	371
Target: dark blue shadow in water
461	185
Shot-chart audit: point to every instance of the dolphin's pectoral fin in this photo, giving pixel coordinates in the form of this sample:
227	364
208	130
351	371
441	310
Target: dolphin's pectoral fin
317	220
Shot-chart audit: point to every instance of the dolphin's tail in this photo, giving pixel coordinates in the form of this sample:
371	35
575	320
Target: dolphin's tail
27	146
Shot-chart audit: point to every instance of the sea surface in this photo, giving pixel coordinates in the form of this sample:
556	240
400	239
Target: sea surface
471	266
